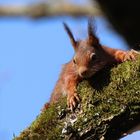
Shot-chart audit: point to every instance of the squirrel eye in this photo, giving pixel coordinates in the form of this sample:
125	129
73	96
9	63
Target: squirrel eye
93	56
74	61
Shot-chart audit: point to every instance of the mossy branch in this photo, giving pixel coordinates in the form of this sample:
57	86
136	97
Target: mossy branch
110	106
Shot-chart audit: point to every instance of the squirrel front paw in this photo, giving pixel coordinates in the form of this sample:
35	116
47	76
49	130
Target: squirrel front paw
122	56
129	55
72	101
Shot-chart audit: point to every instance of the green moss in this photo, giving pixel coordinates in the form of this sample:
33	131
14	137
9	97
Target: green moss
111	96
46	125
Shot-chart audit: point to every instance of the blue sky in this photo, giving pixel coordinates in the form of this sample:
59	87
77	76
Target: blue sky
31	56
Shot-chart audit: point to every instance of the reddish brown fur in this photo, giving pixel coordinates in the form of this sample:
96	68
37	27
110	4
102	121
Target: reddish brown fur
89	58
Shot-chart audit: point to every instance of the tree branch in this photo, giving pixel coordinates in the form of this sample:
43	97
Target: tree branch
48	10
110	106
124	15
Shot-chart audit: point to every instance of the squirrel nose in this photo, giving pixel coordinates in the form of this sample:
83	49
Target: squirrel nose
83	71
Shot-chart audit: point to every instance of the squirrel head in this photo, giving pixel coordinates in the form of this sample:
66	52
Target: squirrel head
87	52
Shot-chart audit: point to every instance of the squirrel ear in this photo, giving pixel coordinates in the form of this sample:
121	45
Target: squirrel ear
92	39
67	29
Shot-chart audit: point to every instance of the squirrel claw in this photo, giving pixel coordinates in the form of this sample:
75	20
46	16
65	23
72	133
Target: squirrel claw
129	56
72	101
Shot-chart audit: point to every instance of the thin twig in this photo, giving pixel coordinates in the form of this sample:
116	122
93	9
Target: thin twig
48	10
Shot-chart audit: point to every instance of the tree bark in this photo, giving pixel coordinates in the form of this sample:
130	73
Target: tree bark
124	15
109	107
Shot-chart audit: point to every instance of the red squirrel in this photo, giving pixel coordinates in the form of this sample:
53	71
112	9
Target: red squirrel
90	57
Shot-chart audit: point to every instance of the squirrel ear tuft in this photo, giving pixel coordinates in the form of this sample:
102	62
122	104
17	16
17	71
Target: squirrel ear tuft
67	29
92	39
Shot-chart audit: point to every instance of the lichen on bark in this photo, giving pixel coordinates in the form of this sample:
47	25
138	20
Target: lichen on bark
109	107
